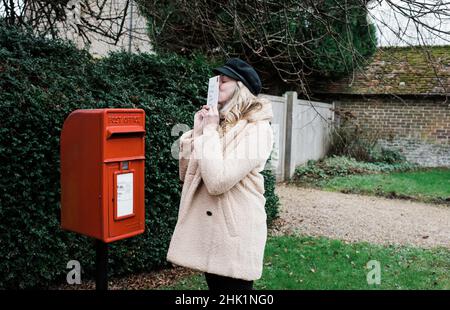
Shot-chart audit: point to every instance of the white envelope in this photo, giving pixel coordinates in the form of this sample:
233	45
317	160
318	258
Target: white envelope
213	91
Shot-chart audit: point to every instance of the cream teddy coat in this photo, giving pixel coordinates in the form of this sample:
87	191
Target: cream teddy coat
221	225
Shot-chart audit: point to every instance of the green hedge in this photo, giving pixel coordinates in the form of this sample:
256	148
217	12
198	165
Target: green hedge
41	82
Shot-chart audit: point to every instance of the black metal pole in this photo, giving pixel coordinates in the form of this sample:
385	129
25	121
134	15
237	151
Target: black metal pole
101	264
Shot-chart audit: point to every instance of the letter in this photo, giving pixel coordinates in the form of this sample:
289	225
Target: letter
238	300
206	299
374	275
74	276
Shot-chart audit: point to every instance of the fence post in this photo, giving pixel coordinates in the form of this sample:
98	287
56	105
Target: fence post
291	98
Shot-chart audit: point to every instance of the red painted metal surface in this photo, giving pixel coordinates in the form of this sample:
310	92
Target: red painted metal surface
101	150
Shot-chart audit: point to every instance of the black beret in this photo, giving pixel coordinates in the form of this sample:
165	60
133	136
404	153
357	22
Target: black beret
239	70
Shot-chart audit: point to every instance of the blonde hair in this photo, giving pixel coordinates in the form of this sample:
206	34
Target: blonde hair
240	106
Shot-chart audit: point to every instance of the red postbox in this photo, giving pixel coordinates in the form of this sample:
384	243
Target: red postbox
102	173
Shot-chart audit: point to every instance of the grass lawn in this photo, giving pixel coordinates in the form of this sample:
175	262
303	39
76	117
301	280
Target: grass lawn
294	262
430	185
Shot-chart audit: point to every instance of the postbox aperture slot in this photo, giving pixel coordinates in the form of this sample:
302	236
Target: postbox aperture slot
121	135
124	194
124	132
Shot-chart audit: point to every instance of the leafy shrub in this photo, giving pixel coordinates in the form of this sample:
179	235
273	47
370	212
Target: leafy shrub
387	156
41	83
337	166
272	200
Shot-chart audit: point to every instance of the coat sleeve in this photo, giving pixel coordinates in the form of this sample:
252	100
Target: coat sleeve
219	174
185	152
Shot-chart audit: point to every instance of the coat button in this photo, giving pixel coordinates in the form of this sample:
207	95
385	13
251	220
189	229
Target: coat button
209	213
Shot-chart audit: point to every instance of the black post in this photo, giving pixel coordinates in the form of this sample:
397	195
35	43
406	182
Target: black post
101	264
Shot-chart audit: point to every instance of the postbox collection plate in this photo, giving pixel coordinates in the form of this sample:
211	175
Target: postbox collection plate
123	194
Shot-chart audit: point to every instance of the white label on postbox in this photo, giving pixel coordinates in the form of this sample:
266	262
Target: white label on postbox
124	194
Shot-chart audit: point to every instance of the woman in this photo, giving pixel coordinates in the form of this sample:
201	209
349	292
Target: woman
221	228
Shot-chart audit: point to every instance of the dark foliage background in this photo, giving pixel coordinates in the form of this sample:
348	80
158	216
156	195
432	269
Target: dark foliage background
288	42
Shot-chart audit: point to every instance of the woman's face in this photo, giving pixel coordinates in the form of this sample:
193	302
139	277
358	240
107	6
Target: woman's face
227	86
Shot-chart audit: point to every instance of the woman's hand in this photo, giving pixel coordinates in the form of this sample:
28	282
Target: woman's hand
211	117
198	121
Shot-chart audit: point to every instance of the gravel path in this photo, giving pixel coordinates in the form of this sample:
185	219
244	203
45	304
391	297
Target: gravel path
353	217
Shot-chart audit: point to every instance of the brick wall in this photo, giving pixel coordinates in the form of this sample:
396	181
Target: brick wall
418	128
